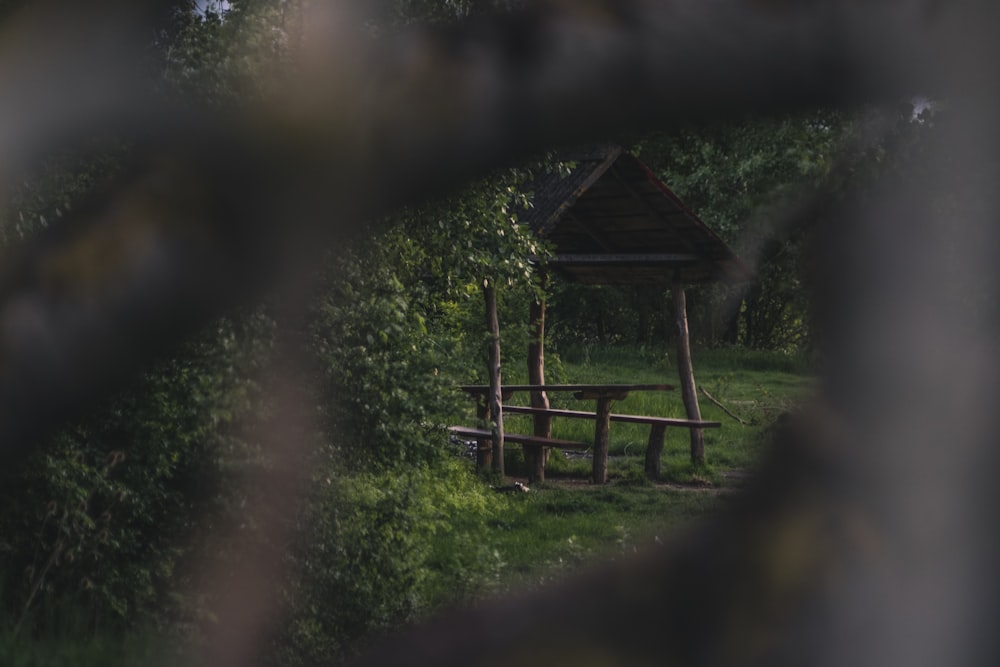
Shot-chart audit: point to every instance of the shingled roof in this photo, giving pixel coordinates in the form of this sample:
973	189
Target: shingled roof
612	221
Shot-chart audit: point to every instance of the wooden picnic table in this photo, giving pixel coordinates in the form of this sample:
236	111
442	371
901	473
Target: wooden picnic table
603	394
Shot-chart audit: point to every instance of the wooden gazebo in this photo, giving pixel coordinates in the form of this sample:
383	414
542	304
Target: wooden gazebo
610	220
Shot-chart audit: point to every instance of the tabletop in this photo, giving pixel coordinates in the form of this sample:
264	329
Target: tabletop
581	391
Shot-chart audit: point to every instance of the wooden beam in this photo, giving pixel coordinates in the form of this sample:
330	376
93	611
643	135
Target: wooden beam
689	394
599	474
615	417
654	450
494	396
484	449
537	457
476	389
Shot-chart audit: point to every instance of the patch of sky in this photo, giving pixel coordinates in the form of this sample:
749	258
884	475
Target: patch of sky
217	6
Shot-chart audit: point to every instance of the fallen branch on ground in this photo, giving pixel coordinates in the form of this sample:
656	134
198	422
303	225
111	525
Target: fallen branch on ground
722	407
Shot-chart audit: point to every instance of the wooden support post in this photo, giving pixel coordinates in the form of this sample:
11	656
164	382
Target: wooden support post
484	448
600	473
494	398
689	393
654	450
537	457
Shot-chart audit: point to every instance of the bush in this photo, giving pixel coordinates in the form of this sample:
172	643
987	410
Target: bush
382	391
381	549
104	514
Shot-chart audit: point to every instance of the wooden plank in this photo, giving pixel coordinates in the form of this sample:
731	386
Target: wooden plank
523	439
537	457
538	441
482	388
628	419
600	467
484	452
601	395
689	392
493	366
613	222
470	432
631	241
654	450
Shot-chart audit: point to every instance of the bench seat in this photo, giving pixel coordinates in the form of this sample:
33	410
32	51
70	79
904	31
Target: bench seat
529	440
629	419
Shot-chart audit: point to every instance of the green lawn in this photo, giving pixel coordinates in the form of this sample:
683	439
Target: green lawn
552	530
756	386
567	522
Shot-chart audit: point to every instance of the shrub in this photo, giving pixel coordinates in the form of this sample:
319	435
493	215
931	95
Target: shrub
105	512
380	549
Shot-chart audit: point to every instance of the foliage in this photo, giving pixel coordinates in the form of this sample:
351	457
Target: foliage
105	513
727	172
383	393
383	548
55	187
475	234
742	178
602	315
227	55
752	182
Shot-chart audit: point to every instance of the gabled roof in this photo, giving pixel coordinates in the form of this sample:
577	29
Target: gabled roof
612	221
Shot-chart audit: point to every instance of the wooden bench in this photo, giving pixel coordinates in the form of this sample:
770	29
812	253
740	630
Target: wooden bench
657	431
530	440
604	395
483	439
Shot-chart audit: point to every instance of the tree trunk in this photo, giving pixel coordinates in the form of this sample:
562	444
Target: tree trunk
689	392
494	398
537	457
731	318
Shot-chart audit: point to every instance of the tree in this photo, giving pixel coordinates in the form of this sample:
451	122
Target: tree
741	177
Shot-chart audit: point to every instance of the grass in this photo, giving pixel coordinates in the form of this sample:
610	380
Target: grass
553	530
566	522
755	386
